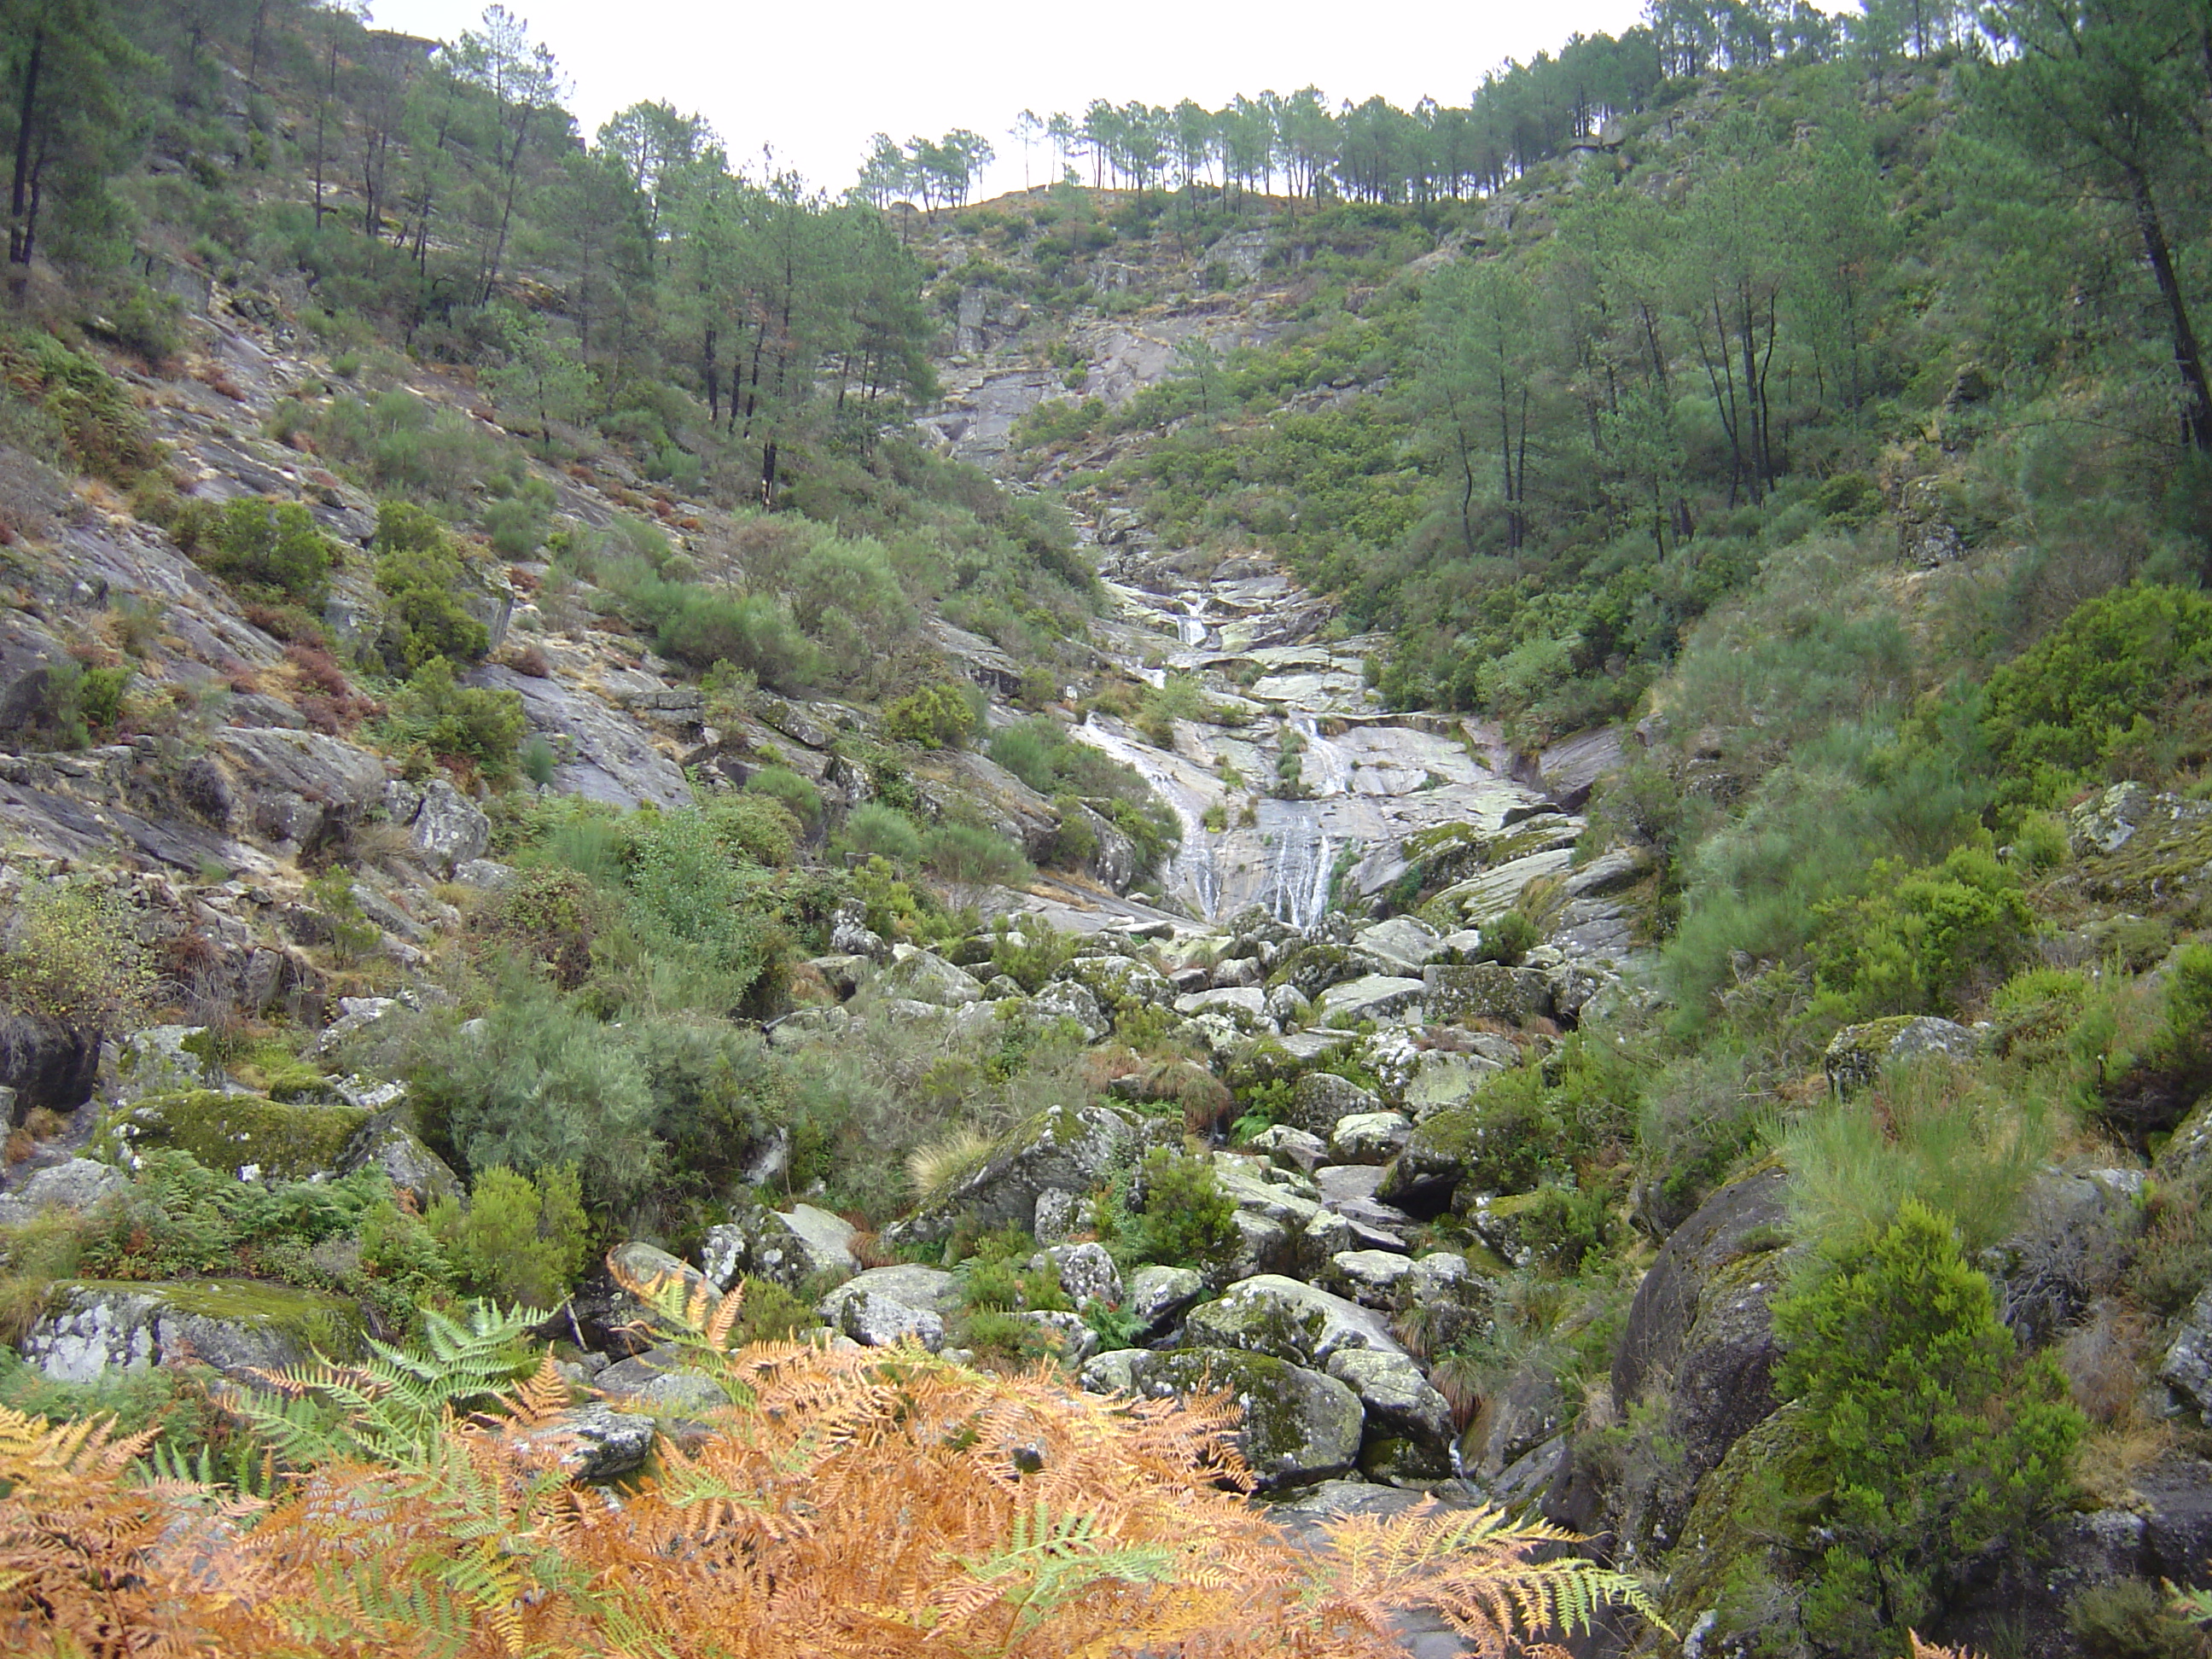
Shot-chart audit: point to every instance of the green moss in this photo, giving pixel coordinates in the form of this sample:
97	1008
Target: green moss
288	1141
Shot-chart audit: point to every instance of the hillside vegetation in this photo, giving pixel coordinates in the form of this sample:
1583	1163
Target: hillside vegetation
569	707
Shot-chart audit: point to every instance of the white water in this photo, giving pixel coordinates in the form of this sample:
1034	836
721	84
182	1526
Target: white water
1298	891
1194	867
1325	767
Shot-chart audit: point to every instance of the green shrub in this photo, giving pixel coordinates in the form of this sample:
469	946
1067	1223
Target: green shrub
1509	938
2128	1619
1922	941
757	827
1926	1444
446	721
969	856
693	907
518	1240
539	1083
1187	1220
798	796
1563	1226
537	761
881	831
421	572
268	548
2099	695
937	717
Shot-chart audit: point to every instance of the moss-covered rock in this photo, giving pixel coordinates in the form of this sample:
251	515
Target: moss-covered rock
1856	1056
236	1325
285	1141
1299	1425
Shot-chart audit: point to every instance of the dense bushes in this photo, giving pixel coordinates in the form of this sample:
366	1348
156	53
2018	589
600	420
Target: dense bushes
433	717
267	548
1924	1442
422	575
1922	941
2122	687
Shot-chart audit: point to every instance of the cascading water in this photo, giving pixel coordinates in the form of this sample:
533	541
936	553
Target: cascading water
1194	868
1298	891
1192	627
1324	767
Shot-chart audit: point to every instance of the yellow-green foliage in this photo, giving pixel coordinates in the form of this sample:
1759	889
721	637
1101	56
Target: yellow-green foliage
420	570
71	955
264	546
518	1240
1922	941
939	716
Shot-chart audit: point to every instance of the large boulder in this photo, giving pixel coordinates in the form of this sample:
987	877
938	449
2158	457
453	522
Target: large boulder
449	827
1700	1345
95	1327
658	1380
46	1063
1373	1138
1299	1425
1070	1148
2187	1368
1272	1314
786	1247
918	976
1859	1054
1155	1296
1484	990
1372	996
1401	945
592	1443
78	1184
928	1289
299	789
1408	1434
1321	1100
385	1143
250	1135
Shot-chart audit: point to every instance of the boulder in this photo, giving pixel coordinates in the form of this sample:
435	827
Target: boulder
1072	1148
76	1185
449	827
253	1136
1372	996
918	976
1287	1006
658	1274
1484	990
786	1247
1299	1425
1065	999
1069	1333
659	1381
1155	1296
1086	1272
1403	944
924	1289
156	1061
1321	1100
1289	1147
1273	1314
1118	981
1373	1278
1247	1001
1441	1078
299	789
1369	1137
93	1327
592	1443
386	1144
1857	1054
1407	1435
46	1063
849	935
1699	1343
876	1321
2187	1367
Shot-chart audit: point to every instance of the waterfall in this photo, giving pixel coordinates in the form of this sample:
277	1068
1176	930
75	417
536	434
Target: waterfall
1192	628
1193	868
1324	766
1298	889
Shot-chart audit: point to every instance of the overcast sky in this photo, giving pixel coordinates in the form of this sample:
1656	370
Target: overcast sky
815	81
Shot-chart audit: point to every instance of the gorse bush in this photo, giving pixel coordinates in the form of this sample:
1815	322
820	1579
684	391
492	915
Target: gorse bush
72	954
1186	1220
2119	687
438	718
267	548
935	717
422	575
1922	941
798	796
1927	1440
517	1240
880	831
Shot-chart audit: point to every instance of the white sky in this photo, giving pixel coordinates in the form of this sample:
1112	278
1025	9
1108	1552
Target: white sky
816	80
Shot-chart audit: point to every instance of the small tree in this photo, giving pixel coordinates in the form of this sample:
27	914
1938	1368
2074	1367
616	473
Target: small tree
542	376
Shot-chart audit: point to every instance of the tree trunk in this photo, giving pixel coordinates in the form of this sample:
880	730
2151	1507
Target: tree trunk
19	207
2188	359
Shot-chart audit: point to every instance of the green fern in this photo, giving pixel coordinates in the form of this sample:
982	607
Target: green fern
1048	1561
391	1408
